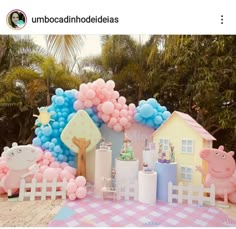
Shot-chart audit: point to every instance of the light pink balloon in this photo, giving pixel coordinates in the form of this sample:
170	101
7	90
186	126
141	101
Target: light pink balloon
80	181
81	192
110	125
88	103
72	196
124	106
55	164
108	107
96	101
115	95
43	168
100	82
118	106
122	100
46	161
105	117
63	165
100	114
130	117
113	121
70	170
38	177
50	174
71	187
123	121
47	155
78	105
132	107
65	174
83	88
91	94
116	113
118	128
110	84
77	94
123	112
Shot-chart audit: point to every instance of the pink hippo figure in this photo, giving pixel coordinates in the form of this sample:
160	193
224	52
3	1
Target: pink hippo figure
221	172
21	162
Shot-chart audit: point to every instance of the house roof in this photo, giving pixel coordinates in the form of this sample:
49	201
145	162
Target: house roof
192	124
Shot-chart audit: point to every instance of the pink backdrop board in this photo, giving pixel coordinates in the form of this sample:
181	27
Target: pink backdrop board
137	134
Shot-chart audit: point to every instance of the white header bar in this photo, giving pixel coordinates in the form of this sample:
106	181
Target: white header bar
118	17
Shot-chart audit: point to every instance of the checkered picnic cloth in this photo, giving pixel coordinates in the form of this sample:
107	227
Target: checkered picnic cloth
92	211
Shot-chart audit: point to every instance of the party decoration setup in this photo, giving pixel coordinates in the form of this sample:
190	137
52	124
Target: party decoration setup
145	155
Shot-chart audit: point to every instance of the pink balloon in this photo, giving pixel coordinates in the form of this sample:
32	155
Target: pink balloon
46	161
115	95
50	174
43	168
130	117
118	106
65	174
96	101
123	112
123	121
55	164
70	170
63	165
124	106
100	114
110	125
132	107
105	117
108	107
122	100
91	94
118	128
47	155
38	177
83	88
116	113
110	84
88	103
72	196
81	192
80	181
71	187
100	82
78	105
113	121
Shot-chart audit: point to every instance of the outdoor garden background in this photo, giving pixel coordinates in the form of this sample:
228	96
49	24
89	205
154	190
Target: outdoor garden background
192	74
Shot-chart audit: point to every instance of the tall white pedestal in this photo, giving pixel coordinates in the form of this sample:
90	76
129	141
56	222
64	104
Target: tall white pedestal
147	183
103	166
127	179
149	157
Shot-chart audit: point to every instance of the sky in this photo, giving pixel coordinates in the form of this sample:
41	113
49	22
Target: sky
92	43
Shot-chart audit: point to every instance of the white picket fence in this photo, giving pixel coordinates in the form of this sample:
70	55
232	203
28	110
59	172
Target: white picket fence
197	194
43	190
127	190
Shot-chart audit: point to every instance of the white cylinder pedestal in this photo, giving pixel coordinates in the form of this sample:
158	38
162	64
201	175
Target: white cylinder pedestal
147	187
127	179
149	157
103	166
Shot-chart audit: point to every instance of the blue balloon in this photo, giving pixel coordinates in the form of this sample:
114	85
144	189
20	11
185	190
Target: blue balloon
146	110
59	100
141	102
57	149
55	125
166	114
153	102
47	131
37	141
137	117
70	116
59	91
51	145
158	120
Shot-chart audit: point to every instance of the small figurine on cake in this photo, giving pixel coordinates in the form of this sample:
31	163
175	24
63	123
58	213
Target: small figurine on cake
146	168
127	153
105	145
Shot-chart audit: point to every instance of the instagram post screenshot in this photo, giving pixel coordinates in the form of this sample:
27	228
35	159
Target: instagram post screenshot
117	113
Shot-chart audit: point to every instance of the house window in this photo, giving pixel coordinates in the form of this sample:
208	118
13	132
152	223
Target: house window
165	144
186	173
187	146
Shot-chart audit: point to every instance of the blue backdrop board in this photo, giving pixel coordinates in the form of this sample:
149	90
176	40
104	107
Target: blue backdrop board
166	172
116	138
